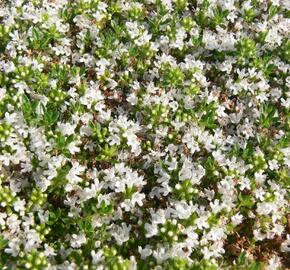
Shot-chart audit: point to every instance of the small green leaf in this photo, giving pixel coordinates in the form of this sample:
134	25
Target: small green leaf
3	242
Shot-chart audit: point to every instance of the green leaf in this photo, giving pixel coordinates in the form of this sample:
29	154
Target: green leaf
267	115
50	116
246	200
3	242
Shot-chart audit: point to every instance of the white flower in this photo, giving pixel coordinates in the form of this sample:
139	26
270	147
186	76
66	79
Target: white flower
237	219
260	177
273	37
49	251
265	208
3	216
132	99
75	172
285	246
121	233
172	164
114	139
132	28
278	229
33	240
72	148
192	172
259	236
129	204
167	4
192	237
273	164
13	247
245	184
97	257
151	229
259	194
92	95
144	252
274	263
216	206
2	93
133	142
66	128
183	210
78	240
189	140
158	217
137	198
13	223
19	206
143	39
216	234
201	222
160	254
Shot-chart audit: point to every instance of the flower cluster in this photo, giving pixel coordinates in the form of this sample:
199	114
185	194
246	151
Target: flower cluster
144	134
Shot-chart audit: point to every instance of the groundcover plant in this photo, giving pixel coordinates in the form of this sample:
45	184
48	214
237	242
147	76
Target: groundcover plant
143	135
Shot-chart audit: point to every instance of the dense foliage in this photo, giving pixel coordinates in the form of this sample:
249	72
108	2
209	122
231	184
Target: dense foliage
150	134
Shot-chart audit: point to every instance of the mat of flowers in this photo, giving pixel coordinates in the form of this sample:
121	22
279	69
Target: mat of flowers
150	134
